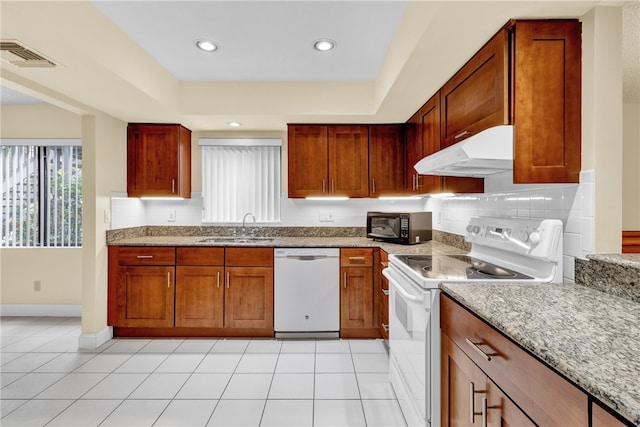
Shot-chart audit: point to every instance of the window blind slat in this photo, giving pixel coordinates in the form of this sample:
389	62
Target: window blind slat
238	180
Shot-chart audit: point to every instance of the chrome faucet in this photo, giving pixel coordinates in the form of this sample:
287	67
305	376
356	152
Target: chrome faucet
244	220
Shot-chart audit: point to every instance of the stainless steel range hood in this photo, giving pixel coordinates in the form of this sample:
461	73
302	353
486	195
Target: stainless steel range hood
486	153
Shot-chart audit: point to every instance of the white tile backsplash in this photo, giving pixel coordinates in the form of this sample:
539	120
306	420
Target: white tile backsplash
571	203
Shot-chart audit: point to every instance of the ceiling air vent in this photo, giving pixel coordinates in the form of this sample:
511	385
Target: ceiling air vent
21	56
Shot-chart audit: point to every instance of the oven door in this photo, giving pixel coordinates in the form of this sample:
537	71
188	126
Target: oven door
413	362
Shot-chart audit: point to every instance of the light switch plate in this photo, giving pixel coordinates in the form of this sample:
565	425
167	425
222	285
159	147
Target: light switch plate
172	215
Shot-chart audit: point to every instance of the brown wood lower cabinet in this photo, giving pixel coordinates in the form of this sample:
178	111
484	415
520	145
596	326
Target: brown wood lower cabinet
520	390
190	291
199	297
249	298
145	296
358	308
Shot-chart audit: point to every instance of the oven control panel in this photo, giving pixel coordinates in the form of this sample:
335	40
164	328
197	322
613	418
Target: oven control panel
538	238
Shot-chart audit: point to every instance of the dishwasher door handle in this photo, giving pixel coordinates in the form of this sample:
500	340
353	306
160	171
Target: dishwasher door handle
306	257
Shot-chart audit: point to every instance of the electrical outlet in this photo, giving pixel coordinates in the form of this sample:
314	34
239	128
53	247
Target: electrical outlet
326	216
107	216
37	286
172	215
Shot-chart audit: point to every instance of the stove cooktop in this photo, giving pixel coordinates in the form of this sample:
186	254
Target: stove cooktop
458	268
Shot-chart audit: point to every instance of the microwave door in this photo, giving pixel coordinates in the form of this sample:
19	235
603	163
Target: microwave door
384	227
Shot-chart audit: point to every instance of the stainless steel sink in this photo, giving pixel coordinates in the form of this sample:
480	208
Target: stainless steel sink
236	240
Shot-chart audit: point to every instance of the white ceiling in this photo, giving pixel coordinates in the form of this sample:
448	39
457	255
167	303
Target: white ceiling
135	60
262	40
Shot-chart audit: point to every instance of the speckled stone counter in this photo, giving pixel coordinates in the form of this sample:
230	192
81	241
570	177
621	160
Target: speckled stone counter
277	237
292	242
590	337
616	274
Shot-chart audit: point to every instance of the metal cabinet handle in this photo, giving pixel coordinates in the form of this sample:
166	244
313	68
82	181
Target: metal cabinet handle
356	258
323	185
475	346
385	327
386	292
144	256
373	185
173	186
384	263
345	280
472	410
333	186
461	134
168	279
218	279
228	279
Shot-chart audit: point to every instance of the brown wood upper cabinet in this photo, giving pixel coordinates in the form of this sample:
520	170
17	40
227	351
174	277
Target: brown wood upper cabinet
424	138
328	160
386	160
158	160
527	75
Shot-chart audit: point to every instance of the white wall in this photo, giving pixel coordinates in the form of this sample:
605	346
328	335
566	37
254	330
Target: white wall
630	167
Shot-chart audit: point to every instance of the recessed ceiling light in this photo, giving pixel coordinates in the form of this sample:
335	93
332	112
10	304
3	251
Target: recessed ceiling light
324	45
206	45
235	124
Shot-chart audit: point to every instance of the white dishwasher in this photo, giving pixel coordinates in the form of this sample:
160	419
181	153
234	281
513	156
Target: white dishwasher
307	292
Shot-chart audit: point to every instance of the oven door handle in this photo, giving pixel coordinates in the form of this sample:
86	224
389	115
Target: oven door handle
407	295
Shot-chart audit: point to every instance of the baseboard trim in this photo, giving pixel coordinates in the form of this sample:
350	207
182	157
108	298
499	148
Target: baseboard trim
93	341
35	310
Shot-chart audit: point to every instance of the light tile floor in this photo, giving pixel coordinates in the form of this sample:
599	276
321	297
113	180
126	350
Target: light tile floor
45	380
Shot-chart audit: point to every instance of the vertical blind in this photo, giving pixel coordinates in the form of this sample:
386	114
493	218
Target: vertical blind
240	176
41	195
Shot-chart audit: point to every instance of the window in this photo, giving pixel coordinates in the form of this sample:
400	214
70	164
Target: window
41	193
240	176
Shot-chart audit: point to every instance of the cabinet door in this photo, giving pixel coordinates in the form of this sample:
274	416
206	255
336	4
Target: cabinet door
547	109
199	296
158	160
383	296
145	296
476	97
356	298
501	411
349	161
308	163
413	153
463	386
249	297
601	417
386	160
429	116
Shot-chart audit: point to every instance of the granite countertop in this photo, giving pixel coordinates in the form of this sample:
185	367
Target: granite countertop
290	242
590	337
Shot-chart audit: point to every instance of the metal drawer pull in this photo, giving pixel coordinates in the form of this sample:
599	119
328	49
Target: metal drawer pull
386	292
218	279
461	134
356	258
144	256
484	355
384	263
385	327
345	280
168	279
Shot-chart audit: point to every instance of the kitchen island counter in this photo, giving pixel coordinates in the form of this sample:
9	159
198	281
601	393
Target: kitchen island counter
590	337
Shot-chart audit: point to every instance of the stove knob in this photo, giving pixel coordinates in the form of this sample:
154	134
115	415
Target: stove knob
476	229
534	238
469	228
523	236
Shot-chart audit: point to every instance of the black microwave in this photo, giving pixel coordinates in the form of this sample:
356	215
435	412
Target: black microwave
407	228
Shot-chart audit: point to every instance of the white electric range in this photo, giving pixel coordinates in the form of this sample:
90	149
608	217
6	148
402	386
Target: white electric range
507	250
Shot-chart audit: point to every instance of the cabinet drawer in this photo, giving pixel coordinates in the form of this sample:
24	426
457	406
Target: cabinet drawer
146	255
200	256
249	257
540	392
356	257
